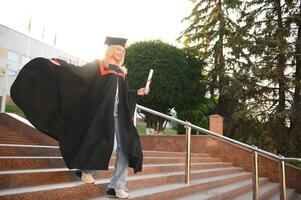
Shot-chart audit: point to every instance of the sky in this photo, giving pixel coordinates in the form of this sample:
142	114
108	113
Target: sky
81	26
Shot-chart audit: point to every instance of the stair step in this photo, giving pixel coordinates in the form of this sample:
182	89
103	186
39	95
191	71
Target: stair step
12	134
51	176
21	151
169	166
225	192
76	190
36	150
290	194
28	150
9	133
173	154
8	136
19	142
33	162
298	197
265	191
171	191
15	140
269	191
4	130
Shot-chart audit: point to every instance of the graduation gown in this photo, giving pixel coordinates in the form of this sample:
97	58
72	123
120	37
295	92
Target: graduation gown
75	105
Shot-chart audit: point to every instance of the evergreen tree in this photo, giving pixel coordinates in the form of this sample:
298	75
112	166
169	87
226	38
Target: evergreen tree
252	50
270	34
211	33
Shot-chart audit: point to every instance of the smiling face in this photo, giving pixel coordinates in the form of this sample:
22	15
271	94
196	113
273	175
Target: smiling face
115	55
118	53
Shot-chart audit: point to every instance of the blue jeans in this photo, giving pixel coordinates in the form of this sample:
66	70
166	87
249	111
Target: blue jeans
120	173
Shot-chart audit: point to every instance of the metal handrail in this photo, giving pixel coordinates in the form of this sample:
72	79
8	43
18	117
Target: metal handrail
255	175
221	137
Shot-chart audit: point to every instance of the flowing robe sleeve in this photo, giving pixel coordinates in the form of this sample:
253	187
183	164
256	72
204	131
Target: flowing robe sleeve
38	89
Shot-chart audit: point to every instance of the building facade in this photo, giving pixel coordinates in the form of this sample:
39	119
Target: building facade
16	49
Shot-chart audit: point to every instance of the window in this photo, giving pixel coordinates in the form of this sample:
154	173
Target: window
13	56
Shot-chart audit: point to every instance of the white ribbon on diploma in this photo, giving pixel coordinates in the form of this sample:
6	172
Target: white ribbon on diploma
149	79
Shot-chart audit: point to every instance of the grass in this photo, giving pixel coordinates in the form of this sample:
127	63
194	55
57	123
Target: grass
141	127
14	109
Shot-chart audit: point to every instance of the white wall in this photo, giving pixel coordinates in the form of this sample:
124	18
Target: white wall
18	43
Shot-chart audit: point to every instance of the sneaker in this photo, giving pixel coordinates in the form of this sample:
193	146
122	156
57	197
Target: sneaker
111	192
86	177
121	193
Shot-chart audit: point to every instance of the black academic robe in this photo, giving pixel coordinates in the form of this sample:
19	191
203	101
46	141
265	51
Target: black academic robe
75	106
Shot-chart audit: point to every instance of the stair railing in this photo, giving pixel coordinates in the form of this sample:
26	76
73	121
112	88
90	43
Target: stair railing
255	175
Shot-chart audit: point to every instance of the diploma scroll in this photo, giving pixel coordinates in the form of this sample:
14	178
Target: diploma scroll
149	79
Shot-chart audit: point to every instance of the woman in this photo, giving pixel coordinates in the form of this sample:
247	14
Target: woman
87	109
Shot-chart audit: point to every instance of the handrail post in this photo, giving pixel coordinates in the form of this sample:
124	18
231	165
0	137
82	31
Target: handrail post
255	176
282	180
188	154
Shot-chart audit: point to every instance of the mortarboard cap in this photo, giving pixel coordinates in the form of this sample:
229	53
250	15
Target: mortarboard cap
115	41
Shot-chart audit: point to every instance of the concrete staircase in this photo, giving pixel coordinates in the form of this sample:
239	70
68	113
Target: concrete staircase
29	170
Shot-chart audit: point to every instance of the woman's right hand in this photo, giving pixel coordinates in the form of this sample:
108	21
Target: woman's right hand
143	91
56	63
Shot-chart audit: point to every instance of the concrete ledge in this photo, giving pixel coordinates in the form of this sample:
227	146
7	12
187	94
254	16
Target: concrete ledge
177	143
268	167
22	126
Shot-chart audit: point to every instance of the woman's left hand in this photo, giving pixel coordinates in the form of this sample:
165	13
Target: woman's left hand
142	91
56	63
